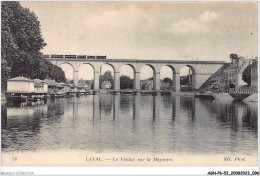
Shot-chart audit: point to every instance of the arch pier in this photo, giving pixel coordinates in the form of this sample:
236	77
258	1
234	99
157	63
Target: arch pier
201	71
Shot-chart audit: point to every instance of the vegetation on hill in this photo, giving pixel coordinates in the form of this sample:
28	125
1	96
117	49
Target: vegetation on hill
21	44
246	76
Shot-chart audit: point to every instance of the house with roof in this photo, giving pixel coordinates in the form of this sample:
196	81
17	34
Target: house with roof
106	85
40	86
65	88
20	84
82	87
52	86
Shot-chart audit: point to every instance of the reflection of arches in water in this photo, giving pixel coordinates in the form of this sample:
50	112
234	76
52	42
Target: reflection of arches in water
232	113
126	101
166	102
189	73
188	106
250	118
136	107
175	107
148	77
156	108
126	71
75	108
56	107
136	112
218	109
234	117
116	104
171	106
164	73
106	103
96	108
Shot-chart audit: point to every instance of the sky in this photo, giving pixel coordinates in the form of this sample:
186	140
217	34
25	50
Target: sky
149	30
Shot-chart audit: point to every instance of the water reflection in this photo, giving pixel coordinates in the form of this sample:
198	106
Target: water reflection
116	105
237	114
136	112
96	108
131	123
156	108
250	118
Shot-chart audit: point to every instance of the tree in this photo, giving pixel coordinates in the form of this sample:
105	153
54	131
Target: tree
126	82
246	76
107	76
21	44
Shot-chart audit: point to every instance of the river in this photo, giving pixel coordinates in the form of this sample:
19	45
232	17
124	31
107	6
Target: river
131	123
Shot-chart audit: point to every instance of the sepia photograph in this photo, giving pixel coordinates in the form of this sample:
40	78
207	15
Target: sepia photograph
129	83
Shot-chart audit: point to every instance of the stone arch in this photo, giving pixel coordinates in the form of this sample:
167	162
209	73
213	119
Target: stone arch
114	75
114	68
74	75
173	79
67	63
90	84
153	68
133	67
134	75
88	64
193	82
151	84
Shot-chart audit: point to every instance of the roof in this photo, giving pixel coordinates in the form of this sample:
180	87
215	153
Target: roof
82	84
19	78
51	83
39	81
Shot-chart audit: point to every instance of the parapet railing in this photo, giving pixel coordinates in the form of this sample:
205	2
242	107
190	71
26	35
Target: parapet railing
243	92
73	56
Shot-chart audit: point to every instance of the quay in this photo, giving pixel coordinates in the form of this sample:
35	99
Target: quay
35	96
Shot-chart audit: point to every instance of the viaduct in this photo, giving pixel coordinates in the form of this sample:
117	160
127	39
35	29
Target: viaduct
201	70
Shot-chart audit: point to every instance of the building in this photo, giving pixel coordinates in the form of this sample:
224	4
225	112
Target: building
147	84
26	85
106	85
64	88
20	84
229	77
165	85
82	86
52	86
232	75
40	86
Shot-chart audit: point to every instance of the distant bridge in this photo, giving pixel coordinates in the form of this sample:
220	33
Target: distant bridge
201	70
